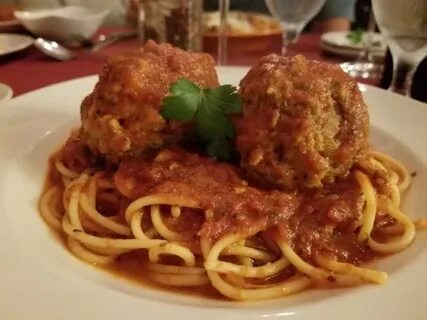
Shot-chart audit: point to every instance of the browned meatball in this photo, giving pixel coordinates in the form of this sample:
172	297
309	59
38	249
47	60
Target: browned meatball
304	122
121	116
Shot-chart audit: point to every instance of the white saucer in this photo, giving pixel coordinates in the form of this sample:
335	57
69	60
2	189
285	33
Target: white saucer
11	42
337	42
347	52
6	93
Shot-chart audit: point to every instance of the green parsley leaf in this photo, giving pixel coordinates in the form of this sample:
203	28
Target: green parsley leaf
211	123
183	101
219	149
209	109
355	36
226	98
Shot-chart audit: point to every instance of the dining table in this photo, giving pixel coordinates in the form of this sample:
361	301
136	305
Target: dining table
30	69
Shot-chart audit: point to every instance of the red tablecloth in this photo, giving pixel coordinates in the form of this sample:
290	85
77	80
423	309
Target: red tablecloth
30	70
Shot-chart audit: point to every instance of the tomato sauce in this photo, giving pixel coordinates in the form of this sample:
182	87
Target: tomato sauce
319	221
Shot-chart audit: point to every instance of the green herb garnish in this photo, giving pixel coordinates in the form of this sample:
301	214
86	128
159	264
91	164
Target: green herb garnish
355	36
210	111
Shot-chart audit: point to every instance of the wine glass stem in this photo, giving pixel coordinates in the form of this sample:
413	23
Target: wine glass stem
290	35
366	52
402	71
224	6
141	21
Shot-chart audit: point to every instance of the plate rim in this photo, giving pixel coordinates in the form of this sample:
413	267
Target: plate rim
325	38
8	93
348	52
27	41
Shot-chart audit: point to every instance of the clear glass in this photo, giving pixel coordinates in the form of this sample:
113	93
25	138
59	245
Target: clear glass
140	21
293	16
403	24
365	66
224	8
178	22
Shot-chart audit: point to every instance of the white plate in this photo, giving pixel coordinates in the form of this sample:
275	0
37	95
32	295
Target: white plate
340	39
5	92
10	42
66	24
348	52
42	280
338	43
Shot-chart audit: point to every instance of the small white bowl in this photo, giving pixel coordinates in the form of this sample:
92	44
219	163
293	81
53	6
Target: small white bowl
66	24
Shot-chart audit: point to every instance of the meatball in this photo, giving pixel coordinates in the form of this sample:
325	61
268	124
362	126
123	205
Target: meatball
121	118
304	123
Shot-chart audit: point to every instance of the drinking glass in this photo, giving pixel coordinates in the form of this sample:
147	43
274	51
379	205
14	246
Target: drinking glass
135	16
178	22
140	21
403	24
293	15
224	7
365	66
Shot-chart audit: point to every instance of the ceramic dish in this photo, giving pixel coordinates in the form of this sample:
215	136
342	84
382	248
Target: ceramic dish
339	43
65	24
10	43
41	280
5	92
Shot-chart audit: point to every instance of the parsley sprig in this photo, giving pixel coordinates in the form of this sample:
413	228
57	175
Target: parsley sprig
355	36
210	111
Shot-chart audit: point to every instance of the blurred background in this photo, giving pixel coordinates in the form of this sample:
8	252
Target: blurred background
235	32
340	13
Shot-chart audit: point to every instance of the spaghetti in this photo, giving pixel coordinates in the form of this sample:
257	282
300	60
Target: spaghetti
241	264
